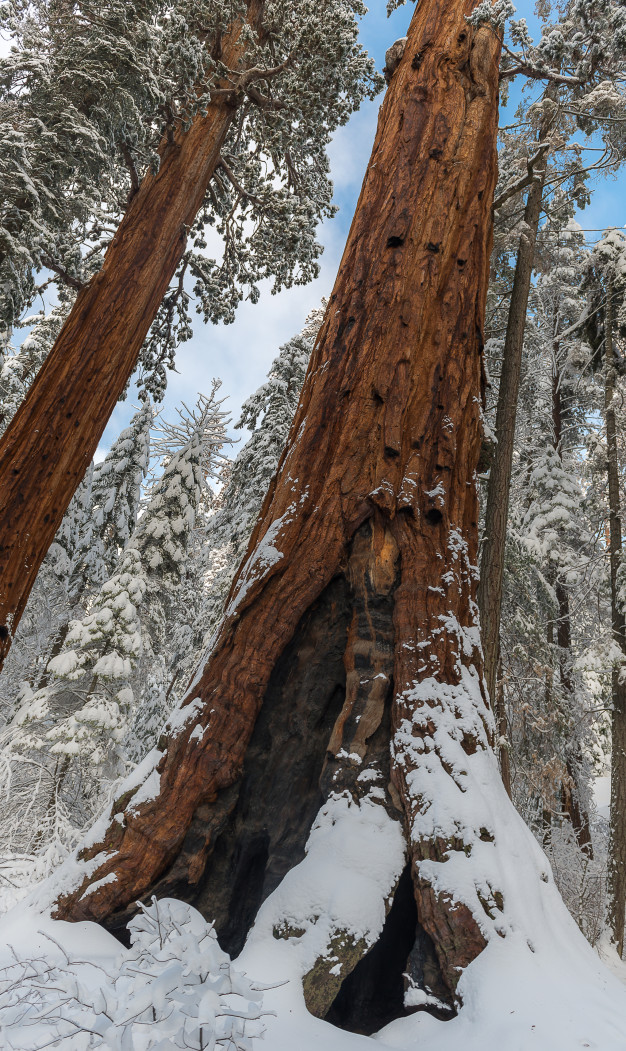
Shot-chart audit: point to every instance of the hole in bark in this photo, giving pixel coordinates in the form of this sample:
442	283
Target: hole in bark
434	516
469	745
377	397
394	241
462	38
373	994
4	631
432	247
417	60
390	451
461	262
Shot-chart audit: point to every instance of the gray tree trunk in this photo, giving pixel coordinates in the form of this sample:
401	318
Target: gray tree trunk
617	839
497	509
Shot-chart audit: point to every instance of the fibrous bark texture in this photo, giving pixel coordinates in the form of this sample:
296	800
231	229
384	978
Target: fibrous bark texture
53	437
377	486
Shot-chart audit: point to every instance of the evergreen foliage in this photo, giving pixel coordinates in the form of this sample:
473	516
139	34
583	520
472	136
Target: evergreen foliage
268	414
103	699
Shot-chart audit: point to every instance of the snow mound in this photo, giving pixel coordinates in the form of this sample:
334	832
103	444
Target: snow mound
174	988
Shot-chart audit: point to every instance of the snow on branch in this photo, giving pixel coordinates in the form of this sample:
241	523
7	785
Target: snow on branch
205	424
174	988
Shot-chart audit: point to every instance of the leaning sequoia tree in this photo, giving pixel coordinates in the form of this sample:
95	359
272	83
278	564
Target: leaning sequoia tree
343	692
222	111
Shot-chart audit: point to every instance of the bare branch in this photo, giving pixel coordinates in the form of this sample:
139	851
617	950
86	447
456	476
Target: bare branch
130	164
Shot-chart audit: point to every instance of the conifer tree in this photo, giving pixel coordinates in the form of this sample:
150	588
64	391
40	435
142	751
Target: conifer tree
393	417
583	93
104	700
352	621
18	370
115	499
268	414
608	283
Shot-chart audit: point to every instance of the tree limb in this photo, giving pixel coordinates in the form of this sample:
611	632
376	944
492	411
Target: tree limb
525	180
57	269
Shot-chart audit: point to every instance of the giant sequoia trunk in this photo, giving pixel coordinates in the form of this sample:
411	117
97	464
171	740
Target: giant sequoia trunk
352	622
617	838
53	437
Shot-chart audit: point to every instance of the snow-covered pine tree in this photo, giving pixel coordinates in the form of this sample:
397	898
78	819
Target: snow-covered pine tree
116	495
583	93
192	449
18	369
377	532
55	598
268	414
550	570
96	528
606	329
106	688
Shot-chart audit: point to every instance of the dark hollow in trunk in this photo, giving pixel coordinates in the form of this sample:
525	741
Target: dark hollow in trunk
373	994
267	814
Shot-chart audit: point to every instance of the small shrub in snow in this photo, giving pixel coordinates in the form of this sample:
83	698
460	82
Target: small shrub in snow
174	988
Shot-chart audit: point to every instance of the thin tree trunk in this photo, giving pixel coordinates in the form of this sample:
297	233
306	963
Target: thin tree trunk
570	793
617	838
58	778
54	435
53	652
504	754
386	438
499	484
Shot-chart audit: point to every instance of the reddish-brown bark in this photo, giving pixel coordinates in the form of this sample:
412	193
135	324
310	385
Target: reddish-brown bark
390	408
52	439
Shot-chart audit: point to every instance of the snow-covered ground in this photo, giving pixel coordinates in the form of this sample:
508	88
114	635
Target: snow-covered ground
553	999
539	988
